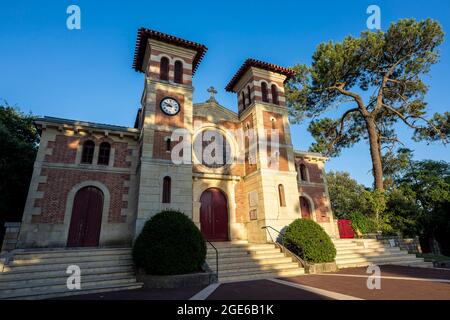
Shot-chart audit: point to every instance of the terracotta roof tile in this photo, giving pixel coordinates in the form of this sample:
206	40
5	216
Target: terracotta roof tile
257	64
144	34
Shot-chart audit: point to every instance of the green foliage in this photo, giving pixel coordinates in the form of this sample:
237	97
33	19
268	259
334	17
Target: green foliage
376	204
430	182
170	243
309	241
362	223
346	194
18	146
387	68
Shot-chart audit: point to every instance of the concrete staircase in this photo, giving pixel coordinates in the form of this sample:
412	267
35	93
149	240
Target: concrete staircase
362	252
240	261
41	274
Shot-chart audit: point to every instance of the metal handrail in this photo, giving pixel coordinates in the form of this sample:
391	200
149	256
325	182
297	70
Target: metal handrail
217	257
282	247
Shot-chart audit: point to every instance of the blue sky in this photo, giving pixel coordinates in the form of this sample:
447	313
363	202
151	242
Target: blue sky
86	74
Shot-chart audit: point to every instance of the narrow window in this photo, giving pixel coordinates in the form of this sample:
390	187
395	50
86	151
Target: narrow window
281	195
168	144
243	100
164	69
103	153
178	76
88	151
264	92
303	174
249	95
274	94
166	189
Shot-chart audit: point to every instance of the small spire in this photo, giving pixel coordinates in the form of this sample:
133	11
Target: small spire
212	93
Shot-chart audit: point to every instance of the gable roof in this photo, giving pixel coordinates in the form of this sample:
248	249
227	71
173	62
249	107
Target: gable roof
141	42
261	65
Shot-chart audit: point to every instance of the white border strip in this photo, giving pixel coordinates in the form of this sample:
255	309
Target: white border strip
326	293
206	292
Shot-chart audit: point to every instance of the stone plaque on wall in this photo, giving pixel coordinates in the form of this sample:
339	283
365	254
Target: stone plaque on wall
253	199
253	214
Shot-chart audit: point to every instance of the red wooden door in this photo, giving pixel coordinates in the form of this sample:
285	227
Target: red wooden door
86	218
345	229
214	215
305	209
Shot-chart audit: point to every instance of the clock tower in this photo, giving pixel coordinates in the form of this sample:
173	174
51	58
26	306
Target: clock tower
168	63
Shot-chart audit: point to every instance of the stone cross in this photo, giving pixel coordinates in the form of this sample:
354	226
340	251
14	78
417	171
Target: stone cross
212	93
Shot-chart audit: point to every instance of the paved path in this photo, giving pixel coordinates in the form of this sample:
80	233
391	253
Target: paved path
397	283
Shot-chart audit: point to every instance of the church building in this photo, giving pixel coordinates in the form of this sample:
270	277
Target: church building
95	185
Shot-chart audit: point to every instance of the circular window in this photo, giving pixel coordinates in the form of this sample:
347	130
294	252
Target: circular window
212	149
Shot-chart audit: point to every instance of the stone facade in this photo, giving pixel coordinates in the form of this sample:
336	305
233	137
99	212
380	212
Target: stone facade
263	189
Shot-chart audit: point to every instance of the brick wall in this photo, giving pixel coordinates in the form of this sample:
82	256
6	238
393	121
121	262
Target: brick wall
60	181
317	194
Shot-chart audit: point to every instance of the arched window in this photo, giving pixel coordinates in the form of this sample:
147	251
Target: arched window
274	94
164	69
88	151
303	173
103	153
281	195
178	73
168	144
243	100
249	95
264	92
167	182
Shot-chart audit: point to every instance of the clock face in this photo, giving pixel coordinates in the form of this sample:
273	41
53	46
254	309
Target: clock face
170	106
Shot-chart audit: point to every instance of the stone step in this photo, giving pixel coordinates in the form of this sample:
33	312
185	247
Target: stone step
10	276
69	259
420	264
82	264
61	279
376	260
59	253
252	265
241	253
257	268
341	256
279	258
62	288
241	250
411	262
367	250
260	275
85	290
223	247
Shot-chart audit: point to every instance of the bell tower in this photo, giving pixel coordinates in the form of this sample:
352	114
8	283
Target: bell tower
168	63
270	174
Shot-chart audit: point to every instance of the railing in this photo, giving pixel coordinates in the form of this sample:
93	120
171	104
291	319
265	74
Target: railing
282	247
217	257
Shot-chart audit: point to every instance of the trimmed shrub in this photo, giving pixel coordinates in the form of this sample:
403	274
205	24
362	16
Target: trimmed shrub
309	241
170	243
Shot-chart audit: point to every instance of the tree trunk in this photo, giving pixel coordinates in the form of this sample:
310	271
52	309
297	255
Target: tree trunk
375	153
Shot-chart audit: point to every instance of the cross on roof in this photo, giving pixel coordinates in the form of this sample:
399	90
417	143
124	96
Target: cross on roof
212	93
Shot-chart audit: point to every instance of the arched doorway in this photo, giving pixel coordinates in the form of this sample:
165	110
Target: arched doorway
85	223
305	208
214	215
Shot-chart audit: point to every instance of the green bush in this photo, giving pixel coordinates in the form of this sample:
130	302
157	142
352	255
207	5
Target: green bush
309	241
362	223
170	243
